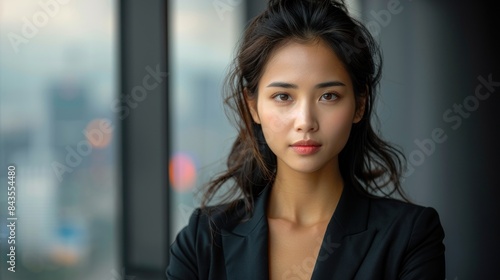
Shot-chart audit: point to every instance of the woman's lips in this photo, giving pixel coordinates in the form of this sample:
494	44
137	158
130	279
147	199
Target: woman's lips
306	147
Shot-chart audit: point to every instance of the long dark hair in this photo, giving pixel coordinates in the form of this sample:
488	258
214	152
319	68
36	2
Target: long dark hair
368	163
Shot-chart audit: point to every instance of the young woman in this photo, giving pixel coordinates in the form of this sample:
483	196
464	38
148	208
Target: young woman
311	176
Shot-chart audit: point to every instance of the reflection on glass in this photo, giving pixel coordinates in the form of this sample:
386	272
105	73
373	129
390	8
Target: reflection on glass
57	81
203	36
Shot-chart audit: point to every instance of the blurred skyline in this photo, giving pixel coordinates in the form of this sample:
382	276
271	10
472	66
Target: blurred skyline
58	75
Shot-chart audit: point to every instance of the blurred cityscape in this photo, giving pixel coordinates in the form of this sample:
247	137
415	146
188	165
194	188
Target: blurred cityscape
60	128
201	134
58	76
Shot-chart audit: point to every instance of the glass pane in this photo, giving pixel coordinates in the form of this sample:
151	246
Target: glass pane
203	35
58	78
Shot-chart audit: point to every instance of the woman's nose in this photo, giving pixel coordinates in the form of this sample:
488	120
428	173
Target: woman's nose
305	120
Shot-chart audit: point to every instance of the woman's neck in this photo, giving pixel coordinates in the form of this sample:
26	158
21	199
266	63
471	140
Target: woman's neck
305	199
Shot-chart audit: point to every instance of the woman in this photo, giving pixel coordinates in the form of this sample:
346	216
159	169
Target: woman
307	167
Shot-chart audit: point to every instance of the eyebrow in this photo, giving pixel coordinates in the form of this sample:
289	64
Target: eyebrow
320	85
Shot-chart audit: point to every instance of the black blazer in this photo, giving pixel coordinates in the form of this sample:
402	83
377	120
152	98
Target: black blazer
366	238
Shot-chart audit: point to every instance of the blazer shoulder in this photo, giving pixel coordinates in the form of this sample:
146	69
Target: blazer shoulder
190	253
393	208
391	214
208	222
415	232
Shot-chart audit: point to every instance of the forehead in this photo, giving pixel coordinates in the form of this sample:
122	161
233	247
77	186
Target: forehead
304	61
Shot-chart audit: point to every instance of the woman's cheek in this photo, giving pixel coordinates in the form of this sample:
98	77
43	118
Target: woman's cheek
275	125
340	127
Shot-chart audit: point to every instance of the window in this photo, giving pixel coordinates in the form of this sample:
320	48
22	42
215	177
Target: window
58	77
203	35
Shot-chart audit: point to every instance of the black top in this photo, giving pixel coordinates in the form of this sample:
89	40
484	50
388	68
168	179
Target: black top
366	238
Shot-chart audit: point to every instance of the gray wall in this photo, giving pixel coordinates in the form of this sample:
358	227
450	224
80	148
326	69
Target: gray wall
434	53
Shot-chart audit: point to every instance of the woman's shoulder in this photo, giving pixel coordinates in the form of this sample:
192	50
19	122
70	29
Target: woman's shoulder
206	221
394	213
393	206
202	231
200	238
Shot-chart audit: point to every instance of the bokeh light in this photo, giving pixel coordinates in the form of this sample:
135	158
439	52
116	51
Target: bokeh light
182	172
99	133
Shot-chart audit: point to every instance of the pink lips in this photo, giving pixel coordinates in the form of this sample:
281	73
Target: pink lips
306	147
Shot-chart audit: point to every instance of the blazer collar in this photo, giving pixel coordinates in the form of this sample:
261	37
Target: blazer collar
347	238
344	245
259	216
245	246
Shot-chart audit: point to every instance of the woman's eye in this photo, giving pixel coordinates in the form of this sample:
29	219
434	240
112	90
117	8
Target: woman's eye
282	97
329	96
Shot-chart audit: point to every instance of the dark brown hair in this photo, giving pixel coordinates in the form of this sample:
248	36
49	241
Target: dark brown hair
369	164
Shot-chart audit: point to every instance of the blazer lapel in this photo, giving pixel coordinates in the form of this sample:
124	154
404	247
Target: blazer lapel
346	240
246	245
344	245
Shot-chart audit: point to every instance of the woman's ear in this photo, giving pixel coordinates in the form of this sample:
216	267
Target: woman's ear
360	107
252	105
